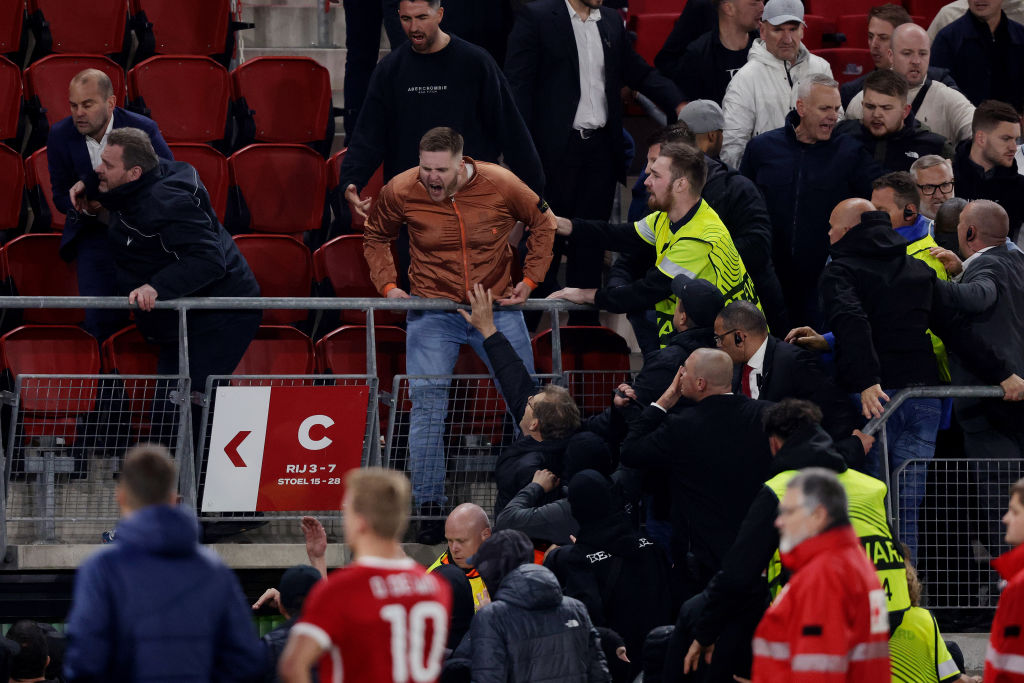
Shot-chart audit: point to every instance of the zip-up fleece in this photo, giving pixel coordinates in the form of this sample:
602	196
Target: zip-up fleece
461	241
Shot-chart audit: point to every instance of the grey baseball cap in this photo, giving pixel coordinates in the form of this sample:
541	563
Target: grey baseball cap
703	116
778	12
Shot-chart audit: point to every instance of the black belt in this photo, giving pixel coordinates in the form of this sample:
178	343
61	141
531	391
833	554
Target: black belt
587	133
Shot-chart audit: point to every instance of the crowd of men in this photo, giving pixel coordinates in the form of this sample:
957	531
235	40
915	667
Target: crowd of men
800	252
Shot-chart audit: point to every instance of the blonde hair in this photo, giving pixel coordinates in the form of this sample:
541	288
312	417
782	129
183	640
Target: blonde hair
381	497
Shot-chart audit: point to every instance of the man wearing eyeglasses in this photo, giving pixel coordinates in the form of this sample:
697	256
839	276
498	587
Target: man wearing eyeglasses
934	178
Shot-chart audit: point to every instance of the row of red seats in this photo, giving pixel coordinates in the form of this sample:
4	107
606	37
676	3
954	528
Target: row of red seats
281	350
200	27
282	186
282	264
287	98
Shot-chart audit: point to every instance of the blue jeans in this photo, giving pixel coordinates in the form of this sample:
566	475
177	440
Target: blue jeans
432	347
910	434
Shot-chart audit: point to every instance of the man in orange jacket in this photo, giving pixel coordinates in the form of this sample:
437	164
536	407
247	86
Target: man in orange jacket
830	622
460	214
1004	659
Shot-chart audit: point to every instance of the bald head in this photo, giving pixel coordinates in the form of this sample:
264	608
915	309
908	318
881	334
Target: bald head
846	215
910	53
465	529
708	372
983	223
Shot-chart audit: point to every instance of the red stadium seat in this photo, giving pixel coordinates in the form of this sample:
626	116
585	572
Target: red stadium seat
371	190
187	95
925	10
598	351
278	350
213	171
289	97
10	97
187	27
651	32
48	81
832	9
855	28
343	352
59	350
282	186
341	263
815	31
12	17
848	63
37	178
126	352
36	269
283	267
12	187
95	27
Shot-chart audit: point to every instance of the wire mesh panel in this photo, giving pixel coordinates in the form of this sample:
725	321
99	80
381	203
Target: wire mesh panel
281	525
959	528
593	389
454	448
67	443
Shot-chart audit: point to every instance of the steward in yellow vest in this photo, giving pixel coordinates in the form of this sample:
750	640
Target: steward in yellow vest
683	236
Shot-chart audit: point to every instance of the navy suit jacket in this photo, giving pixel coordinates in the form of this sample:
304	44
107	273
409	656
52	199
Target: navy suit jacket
68	158
542	66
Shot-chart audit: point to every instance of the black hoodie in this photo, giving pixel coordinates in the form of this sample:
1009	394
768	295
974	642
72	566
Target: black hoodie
879	301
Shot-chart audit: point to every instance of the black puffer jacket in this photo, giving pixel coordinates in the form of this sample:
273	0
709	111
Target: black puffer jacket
898	151
531	633
164	232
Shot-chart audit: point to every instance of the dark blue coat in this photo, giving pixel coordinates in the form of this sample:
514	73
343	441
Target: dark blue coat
164	232
68	159
801	184
157	606
983	67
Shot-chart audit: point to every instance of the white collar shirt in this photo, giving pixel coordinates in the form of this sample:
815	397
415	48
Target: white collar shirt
96	148
592	110
756	364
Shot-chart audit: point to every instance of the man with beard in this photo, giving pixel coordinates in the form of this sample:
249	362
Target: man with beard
460	213
687	235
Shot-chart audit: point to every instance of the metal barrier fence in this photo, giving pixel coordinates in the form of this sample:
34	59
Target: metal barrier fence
61	459
65	446
952	507
959	527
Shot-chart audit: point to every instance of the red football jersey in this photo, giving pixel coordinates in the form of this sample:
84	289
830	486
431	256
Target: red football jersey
379	620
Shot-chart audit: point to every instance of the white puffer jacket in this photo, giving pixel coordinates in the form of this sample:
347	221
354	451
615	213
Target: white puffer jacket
761	94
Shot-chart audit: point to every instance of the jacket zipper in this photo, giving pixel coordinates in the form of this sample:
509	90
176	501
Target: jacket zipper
465	246
796	203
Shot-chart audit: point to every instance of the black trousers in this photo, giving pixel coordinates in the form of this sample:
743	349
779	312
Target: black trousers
581	185
363	20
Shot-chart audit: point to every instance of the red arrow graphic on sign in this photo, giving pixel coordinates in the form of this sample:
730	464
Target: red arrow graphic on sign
231	450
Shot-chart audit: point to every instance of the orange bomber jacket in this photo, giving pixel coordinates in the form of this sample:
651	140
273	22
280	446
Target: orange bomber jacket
462	240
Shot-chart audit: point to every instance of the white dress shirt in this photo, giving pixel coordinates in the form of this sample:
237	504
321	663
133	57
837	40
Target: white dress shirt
592	110
96	148
756	364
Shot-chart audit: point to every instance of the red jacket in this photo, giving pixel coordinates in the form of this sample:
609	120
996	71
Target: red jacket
1004	660
830	623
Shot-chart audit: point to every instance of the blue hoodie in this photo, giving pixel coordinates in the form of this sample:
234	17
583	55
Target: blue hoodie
155	605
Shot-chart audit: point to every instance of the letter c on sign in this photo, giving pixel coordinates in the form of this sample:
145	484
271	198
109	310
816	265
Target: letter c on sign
307	426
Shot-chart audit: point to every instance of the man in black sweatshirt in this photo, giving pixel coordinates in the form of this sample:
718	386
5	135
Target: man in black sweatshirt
436	79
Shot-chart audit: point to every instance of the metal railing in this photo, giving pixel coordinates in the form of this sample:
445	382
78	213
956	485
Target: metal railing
56	489
956	505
